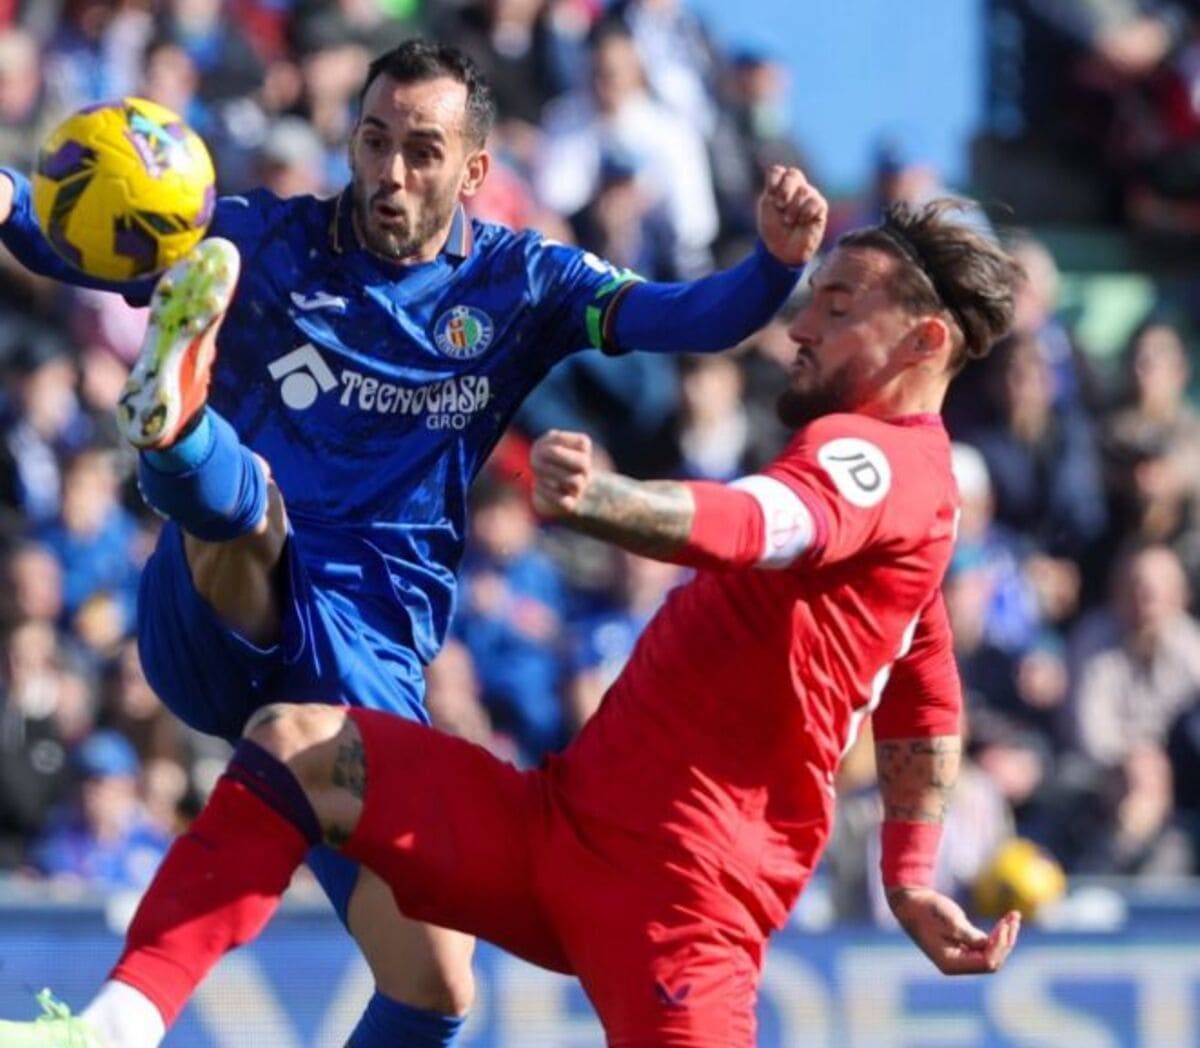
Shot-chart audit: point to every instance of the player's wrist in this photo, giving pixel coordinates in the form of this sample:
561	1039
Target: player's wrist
908	855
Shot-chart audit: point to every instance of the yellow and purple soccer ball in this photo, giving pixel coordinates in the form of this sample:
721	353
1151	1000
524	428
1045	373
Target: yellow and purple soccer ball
1020	876
123	189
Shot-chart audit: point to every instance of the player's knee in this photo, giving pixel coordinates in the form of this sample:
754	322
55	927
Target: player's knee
297	734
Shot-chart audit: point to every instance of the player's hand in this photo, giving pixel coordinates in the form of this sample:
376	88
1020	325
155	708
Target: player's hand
562	469
7	191
791	216
939	927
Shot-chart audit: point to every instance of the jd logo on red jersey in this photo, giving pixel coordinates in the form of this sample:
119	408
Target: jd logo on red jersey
858	469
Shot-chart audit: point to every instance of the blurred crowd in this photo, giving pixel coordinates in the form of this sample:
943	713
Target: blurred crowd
1093	111
627	129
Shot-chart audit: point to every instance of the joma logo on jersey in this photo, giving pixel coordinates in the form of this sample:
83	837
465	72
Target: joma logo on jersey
450	403
463	332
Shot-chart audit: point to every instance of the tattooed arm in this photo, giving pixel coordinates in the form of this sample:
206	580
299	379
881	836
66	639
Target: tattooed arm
916	777
700	524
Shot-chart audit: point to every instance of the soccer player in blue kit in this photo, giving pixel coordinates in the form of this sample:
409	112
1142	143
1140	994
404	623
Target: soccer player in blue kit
376	347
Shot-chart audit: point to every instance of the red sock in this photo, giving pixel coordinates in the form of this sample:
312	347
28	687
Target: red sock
216	889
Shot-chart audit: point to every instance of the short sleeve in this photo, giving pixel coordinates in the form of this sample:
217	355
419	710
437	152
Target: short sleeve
845	474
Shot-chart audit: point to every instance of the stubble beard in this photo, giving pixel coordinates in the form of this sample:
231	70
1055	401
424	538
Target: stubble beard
799	407
404	242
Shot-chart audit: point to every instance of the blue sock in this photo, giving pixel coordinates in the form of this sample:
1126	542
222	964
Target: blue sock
208	482
390	1024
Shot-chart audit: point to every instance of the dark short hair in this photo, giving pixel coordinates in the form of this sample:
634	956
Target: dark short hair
416	60
946	267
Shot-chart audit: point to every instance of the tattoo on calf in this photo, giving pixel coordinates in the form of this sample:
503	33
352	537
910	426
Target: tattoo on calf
350	768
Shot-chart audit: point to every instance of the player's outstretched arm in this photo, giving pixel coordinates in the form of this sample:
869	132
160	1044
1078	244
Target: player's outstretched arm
697	523
20	233
720	310
916	777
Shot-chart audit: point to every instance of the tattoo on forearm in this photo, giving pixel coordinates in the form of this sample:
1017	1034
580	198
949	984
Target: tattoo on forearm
917	776
653	518
350	768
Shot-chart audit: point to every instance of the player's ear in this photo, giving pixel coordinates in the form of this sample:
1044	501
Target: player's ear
931	337
474	172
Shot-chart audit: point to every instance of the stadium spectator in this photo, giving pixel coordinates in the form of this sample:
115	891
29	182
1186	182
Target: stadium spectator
716	434
625	404
95	538
291	160
228	66
454	697
1134	830
1151	445
29	106
1037	315
1062	75
510	618
95	49
621	223
42	422
34	775
681	62
31	585
751	134
1135	662
1044	464
602	639
1007	604
618	113
104	839
526	49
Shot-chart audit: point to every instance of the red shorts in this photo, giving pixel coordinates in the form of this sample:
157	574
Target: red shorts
469	842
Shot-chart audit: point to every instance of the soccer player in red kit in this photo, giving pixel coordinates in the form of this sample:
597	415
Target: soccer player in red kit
654	856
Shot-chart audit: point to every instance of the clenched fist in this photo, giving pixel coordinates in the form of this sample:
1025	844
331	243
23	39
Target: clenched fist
562	469
791	216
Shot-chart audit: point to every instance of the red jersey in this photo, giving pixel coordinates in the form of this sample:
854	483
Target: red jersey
820	606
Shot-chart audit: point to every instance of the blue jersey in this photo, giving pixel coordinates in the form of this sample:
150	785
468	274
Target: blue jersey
376	391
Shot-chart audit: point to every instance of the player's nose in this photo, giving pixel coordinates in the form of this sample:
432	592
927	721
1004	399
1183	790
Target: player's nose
392	171
802	329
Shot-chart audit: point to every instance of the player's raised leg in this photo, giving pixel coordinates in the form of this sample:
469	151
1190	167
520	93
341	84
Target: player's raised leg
193	469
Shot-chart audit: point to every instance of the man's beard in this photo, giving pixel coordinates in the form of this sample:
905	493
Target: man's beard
401	242
798	407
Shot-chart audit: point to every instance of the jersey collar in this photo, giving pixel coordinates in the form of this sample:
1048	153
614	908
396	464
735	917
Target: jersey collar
459	243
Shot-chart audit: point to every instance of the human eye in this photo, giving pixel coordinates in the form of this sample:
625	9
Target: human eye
425	154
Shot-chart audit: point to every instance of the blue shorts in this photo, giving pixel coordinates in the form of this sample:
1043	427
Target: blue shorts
213	679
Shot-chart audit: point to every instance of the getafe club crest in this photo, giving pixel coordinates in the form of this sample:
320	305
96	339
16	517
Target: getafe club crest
463	332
